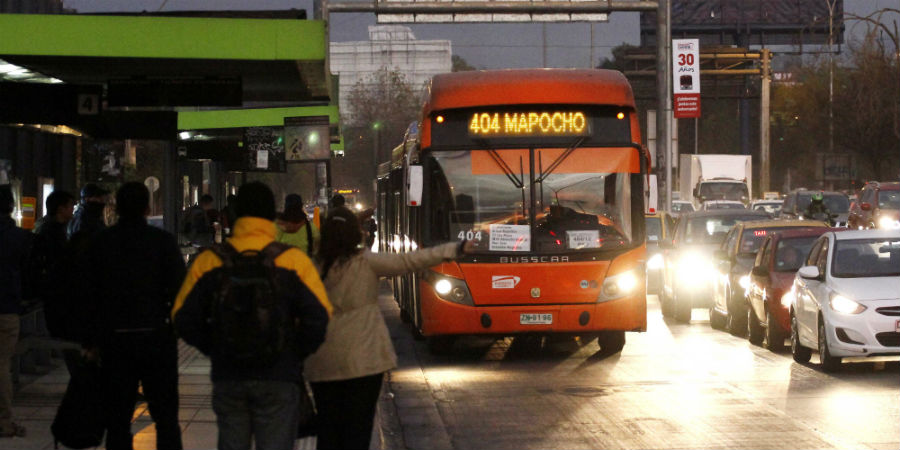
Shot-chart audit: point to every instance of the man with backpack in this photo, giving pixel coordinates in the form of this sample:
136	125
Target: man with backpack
257	308
136	270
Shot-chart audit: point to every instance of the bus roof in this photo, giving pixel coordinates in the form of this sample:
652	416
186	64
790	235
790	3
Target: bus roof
529	86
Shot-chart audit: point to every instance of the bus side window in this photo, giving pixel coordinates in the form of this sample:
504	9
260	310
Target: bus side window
441	201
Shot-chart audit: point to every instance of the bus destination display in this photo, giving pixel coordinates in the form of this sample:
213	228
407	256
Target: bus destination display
528	123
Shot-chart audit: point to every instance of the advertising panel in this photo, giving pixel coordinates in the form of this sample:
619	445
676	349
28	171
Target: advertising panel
686	78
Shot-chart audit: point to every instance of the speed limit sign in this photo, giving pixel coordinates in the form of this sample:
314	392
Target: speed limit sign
686	77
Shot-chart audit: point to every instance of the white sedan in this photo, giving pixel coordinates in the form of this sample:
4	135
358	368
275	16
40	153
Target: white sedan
845	301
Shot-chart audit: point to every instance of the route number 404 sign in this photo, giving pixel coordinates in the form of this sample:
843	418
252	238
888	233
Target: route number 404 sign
686	77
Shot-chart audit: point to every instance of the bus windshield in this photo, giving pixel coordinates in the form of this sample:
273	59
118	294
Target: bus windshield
534	200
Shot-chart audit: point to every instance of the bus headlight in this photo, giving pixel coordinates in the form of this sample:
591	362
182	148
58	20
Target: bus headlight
449	288
618	286
656	262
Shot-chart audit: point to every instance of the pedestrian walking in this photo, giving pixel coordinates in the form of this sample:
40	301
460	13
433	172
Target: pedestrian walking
50	234
88	218
294	227
346	372
136	270
257	308
228	214
15	248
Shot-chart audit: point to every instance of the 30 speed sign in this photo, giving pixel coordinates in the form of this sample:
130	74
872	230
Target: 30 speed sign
686	77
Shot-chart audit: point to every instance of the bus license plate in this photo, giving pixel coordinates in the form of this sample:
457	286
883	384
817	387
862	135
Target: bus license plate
535	319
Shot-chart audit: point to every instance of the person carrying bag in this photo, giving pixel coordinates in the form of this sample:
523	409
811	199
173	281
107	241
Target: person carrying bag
346	372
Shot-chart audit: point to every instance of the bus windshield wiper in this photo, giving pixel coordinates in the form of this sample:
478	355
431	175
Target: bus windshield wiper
556	162
519	183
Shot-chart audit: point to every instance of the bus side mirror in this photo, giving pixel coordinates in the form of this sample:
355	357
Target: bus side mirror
414	186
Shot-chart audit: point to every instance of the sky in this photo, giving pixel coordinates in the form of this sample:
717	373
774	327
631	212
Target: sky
488	46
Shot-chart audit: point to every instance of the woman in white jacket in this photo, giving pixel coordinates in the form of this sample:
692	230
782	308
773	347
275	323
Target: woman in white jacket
347	370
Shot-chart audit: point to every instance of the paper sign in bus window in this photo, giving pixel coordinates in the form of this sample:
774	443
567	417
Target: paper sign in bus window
583	238
510	238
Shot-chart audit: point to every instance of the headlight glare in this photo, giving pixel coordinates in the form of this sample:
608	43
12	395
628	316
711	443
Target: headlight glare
788	298
844	305
888	224
655	262
744	281
618	286
443	287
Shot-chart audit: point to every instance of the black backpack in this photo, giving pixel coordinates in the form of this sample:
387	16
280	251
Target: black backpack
249	325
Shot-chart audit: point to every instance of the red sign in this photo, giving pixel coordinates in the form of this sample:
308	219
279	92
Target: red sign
686	105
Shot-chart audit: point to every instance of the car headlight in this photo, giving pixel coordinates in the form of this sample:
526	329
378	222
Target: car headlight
694	269
449	288
888	223
656	262
618	286
844	305
744	281
788	298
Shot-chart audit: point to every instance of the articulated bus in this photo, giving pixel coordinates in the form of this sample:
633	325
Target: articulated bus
542	170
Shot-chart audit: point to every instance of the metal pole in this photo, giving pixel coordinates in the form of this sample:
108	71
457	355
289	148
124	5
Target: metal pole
764	172
696	136
831	5
591	64
662	89
544	53
668	99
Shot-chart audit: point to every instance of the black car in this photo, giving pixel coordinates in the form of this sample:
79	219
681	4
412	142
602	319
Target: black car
690	270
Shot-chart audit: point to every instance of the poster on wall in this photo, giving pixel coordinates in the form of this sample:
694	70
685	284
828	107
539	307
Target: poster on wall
5	171
307	138
102	161
264	148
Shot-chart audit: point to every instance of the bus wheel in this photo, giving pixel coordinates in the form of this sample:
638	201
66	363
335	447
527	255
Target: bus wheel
682	310
611	341
440	345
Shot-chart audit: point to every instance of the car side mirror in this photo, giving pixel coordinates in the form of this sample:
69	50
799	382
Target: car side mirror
865	206
809	272
760	272
414	186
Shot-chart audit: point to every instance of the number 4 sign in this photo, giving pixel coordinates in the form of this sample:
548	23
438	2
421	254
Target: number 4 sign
686	77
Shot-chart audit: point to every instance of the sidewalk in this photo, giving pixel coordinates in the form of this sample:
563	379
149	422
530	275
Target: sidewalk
35	402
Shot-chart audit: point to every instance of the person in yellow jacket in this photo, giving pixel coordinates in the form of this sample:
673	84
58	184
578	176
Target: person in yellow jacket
255	402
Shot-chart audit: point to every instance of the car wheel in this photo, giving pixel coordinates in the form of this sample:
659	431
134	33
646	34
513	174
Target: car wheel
755	331
611	341
829	363
736	318
682	310
716	320
665	303
800	353
774	335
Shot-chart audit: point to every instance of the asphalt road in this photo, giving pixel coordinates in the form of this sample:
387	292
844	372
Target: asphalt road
675	386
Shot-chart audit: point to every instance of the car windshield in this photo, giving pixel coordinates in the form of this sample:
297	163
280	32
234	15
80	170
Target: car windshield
752	239
723	205
836	203
866	258
723	191
769	207
682	207
711	229
654	228
889	200
573	200
791	252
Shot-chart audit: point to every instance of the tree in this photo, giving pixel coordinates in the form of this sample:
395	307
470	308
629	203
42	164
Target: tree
460	64
380	108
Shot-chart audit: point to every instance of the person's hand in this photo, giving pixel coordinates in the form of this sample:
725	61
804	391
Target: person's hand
91	354
468	247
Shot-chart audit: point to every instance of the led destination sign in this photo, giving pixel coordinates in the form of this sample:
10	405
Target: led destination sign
528	123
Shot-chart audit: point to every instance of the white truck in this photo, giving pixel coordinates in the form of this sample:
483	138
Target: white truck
715	177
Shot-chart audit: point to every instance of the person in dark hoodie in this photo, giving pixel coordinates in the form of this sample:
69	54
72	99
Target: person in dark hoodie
136	270
254	400
88	218
50	234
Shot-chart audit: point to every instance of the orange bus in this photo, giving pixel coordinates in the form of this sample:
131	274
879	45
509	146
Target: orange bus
543	170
